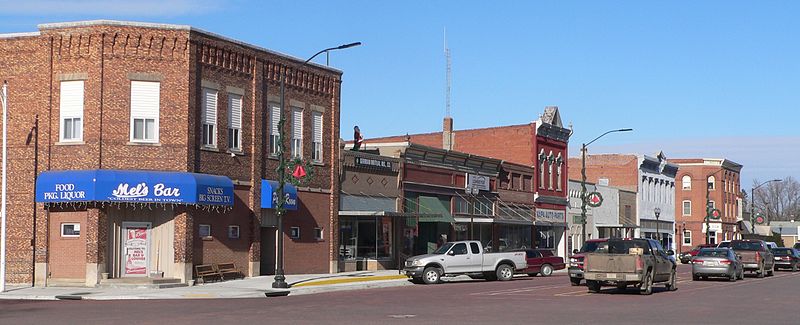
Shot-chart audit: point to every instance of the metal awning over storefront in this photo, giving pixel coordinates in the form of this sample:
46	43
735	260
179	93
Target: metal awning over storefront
133	186
269	195
386	214
482	219
512	213
434	210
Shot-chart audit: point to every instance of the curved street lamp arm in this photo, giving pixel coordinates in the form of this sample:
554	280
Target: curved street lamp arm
607	132
340	47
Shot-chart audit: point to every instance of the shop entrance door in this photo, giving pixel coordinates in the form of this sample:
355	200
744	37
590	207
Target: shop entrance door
268	250
135	249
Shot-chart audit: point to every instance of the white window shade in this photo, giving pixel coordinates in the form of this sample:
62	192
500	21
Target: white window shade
297	123
144	99
209	113
71	99
316	119
275	116
235	108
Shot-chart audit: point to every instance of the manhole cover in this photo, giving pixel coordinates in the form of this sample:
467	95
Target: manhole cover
402	316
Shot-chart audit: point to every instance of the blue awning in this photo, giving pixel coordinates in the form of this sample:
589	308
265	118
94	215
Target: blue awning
269	197
136	186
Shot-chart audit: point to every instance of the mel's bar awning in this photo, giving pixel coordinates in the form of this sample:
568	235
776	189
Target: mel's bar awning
133	186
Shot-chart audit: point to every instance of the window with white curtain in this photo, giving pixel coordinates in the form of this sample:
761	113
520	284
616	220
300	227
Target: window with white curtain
71	110
687	182
274	136
316	135
234	122
144	111
297	132
208	116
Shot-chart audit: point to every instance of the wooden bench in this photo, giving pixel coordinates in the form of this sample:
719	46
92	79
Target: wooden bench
228	271
206	271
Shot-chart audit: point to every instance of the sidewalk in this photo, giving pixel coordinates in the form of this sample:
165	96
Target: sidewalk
248	288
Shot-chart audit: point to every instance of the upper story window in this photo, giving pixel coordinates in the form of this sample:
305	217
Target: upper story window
297	132
71	110
208	115
550	161
687	182
144	111
559	163
687	208
542	158
274	135
235	122
316	135
711	183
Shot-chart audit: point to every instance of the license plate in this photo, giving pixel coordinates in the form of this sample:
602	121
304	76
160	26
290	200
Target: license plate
710	263
611	275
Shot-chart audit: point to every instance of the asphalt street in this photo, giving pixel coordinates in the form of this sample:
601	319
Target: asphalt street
537	300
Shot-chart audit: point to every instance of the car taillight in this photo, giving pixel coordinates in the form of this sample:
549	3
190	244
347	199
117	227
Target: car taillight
785	258
639	263
758	256
696	261
724	262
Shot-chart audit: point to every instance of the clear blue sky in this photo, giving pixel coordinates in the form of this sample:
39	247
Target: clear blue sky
693	78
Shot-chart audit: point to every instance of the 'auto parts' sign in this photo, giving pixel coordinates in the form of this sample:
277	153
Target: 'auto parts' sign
551	215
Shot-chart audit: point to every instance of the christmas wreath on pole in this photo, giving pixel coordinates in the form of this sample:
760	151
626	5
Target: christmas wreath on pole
302	171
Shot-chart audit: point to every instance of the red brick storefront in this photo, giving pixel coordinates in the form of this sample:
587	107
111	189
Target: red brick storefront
106	58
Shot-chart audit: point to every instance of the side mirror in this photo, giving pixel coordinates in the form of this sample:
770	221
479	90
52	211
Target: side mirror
574	251
451	253
670	252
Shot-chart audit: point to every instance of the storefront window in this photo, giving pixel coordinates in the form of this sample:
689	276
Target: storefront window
514	237
547	237
365	238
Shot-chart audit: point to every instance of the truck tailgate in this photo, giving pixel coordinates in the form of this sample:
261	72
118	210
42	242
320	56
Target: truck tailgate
748	257
610	263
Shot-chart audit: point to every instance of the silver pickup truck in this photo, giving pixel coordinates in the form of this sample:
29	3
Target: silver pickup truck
464	258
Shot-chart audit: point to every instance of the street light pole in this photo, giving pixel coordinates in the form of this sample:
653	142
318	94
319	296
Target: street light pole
280	209
583	181
753	203
657	212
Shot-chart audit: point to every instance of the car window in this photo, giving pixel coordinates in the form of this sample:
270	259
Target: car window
713	252
460	249
782	251
746	246
443	249
475	248
628	246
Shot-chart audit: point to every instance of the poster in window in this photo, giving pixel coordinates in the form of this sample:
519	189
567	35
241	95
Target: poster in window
136	251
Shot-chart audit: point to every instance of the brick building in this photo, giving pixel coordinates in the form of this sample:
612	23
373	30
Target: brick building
651	178
704	181
540	145
149	145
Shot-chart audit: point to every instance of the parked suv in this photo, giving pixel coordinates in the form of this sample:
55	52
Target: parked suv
755	256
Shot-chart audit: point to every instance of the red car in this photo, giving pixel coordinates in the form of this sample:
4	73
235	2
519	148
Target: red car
542	261
686	257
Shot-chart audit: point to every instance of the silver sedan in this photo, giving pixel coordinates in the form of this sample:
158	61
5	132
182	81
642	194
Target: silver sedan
717	262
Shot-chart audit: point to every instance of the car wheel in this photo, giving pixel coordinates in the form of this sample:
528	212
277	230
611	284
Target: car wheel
594	286
771	271
575	281
547	270
794	267
505	272
733	277
646	288
760	271
741	274
432	275
695	277
672	285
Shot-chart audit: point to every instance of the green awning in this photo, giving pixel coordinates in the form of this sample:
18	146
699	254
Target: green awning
435	210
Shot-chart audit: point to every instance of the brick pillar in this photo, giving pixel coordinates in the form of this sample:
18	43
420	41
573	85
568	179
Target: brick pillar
96	245
184	235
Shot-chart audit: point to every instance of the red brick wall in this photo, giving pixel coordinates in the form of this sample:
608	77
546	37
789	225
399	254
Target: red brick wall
621	170
106	57
219	248
307	254
67	257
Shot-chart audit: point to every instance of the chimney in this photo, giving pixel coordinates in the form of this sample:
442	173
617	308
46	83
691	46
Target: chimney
447	133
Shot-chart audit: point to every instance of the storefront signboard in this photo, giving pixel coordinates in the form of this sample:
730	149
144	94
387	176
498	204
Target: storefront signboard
479	182
269	195
374	163
549	215
133	186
